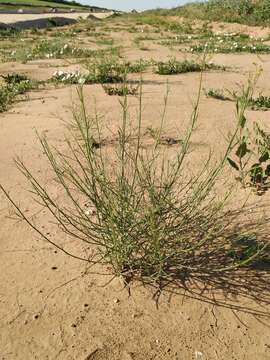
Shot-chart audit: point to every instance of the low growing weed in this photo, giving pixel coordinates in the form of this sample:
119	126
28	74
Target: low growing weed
173	66
252	155
121	90
12	86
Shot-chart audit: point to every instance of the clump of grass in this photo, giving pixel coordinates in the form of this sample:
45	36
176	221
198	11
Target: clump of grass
141	213
173	66
12	86
120	90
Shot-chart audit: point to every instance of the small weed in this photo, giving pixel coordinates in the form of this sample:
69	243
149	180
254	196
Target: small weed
177	67
252	155
12	86
260	103
120	90
217	94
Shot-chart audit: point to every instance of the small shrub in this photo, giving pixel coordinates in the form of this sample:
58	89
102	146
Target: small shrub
146	217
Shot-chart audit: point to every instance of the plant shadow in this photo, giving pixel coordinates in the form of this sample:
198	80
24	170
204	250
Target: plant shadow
245	289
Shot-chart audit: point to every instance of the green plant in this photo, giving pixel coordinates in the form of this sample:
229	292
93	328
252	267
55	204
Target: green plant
217	94
138	212
252	154
173	66
120	90
56	49
13	85
103	72
5	98
261	102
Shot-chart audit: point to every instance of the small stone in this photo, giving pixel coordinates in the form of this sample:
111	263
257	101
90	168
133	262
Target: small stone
74	325
198	354
116	301
54	268
36	316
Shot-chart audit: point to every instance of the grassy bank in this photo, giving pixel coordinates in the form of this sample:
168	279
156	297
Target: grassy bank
241	11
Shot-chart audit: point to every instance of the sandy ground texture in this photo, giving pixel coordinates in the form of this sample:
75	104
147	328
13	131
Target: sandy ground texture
54	307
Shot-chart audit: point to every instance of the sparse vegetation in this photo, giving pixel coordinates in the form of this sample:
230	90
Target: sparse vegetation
217	94
252	155
242	11
173	66
12	86
120	90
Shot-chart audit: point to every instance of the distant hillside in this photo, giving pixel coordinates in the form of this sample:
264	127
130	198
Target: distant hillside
45	5
252	12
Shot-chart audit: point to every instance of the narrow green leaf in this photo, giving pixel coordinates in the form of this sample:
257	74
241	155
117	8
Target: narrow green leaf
242	150
264	157
242	121
233	164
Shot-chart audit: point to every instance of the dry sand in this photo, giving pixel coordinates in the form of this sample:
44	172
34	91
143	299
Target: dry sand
51	307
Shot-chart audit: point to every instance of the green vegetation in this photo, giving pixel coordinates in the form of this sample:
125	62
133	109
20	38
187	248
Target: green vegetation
260	103
120	89
53	49
156	226
12	86
255	103
243	11
57	4
173	66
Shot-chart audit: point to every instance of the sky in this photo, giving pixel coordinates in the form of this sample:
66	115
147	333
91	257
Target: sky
134	4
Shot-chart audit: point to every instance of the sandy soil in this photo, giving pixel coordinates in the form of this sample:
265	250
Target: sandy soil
53	307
